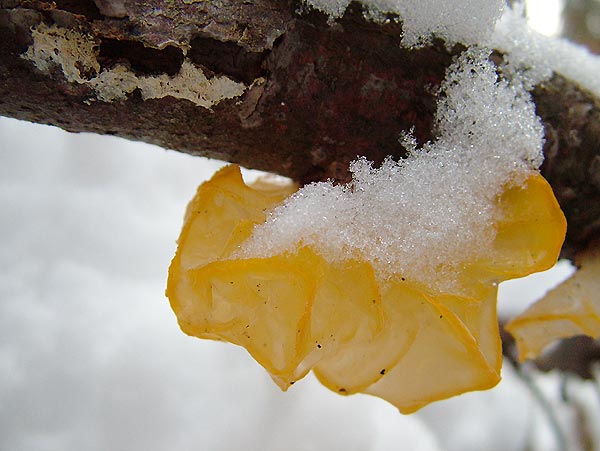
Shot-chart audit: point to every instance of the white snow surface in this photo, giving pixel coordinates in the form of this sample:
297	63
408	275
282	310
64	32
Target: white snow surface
464	21
91	357
424	216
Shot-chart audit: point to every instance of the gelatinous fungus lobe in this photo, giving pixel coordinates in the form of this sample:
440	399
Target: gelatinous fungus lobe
297	310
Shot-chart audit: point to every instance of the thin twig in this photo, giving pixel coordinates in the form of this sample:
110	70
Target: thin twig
545	405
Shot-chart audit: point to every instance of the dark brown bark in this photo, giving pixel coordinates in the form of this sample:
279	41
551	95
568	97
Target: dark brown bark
316	95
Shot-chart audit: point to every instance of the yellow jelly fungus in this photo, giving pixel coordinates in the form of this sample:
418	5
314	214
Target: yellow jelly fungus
297	312
572	308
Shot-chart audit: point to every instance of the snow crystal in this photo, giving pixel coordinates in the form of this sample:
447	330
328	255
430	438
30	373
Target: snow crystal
424	216
535	57
467	22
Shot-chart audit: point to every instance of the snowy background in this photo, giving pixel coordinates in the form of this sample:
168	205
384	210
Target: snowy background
91	356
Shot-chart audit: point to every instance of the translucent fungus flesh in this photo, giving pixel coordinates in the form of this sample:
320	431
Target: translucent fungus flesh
572	308
390	337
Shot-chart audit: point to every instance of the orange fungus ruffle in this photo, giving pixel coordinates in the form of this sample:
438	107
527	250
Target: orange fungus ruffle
297	312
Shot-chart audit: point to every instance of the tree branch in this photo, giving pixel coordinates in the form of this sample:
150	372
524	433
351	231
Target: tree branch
309	96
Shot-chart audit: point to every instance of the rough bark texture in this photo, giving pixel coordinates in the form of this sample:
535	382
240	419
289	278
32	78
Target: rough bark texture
316	95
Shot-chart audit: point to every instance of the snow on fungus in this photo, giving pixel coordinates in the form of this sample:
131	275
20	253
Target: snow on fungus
428	215
572	308
298	311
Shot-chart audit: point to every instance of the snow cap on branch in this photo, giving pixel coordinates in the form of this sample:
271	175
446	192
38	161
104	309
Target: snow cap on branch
464	21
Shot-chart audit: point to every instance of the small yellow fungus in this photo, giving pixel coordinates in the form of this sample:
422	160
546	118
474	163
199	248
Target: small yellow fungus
391	337
572	308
